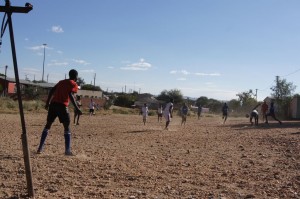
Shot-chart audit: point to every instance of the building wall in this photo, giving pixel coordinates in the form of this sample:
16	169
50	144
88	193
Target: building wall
295	108
11	88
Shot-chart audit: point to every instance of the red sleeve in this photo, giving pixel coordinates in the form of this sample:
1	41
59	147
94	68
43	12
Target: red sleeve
75	87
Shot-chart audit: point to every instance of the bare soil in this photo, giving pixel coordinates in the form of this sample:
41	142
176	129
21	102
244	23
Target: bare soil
116	156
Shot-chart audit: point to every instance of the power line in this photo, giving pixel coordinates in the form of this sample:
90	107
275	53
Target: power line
280	76
291	73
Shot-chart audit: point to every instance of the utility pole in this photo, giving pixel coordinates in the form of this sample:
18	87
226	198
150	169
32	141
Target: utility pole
5	84
277	86
94	80
44	62
256	93
47	77
7	20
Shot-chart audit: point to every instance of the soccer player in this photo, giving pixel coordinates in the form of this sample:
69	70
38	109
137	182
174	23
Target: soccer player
264	109
76	114
199	110
159	113
184	112
92	107
145	113
57	106
254	114
272	113
225	112
168	113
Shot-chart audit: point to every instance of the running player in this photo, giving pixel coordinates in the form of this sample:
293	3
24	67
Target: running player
168	113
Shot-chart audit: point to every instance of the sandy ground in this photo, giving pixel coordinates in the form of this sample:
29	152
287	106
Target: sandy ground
118	157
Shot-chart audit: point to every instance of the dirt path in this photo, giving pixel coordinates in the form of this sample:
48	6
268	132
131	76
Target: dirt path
118	157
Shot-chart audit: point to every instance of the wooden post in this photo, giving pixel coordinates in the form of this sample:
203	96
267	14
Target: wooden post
8	9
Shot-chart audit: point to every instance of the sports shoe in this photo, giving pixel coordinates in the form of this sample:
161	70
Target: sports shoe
39	151
69	153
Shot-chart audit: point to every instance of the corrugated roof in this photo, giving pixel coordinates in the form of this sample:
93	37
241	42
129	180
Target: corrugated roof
26	82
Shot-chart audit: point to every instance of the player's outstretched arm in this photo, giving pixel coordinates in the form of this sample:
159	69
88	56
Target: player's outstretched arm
256	106
74	103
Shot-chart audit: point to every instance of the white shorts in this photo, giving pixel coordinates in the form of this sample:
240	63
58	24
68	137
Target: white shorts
167	116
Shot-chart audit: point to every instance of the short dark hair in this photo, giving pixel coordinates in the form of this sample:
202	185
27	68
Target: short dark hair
73	74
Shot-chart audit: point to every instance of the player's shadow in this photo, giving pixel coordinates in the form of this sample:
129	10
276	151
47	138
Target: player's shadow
139	131
296	133
37	125
272	124
8	157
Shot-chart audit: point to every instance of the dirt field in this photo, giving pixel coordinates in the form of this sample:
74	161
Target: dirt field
118	157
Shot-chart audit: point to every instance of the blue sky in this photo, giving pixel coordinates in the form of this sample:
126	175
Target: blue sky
212	48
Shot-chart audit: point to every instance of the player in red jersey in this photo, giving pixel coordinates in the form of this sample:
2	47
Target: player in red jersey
57	106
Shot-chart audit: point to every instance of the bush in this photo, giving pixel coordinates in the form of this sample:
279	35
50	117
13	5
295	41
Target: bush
34	105
151	113
8	104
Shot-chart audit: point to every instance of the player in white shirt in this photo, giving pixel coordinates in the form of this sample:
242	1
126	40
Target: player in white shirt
159	113
254	115
145	113
92	107
168	111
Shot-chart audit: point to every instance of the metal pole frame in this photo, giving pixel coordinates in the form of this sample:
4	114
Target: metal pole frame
8	9
44	62
5	83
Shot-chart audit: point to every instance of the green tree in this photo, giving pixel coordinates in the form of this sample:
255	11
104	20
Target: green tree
244	97
125	100
234	105
282	89
90	87
174	93
282	92
247	100
214	105
202	101
80	81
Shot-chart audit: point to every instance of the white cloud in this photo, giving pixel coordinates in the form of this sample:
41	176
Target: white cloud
31	71
181	79
184	72
38	48
57	29
59	52
80	61
208	74
141	65
111	67
87	71
56	63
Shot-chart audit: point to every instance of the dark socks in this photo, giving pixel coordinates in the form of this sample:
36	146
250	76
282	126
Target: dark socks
43	139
